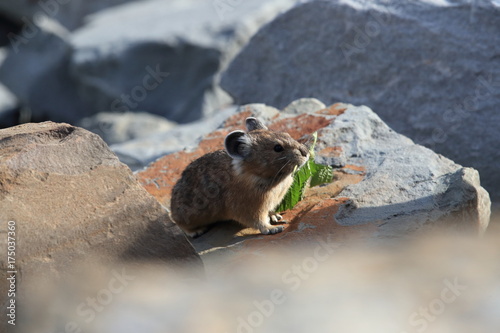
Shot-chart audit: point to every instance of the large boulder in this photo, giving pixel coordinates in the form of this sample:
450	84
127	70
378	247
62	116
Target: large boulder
430	69
35	69
166	58
385	186
69	199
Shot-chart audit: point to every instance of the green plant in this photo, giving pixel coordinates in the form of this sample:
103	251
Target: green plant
318	174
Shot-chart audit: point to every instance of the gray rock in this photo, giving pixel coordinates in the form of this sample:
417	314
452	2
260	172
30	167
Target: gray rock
8	102
141	151
304	105
116	128
166	59
407	186
430	70
36	71
264	112
8	108
36	51
70	14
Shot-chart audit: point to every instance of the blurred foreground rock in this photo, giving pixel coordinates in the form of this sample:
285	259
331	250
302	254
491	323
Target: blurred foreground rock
71	200
386	187
430	69
436	285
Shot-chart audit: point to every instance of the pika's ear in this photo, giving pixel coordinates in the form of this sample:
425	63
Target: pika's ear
254	124
237	144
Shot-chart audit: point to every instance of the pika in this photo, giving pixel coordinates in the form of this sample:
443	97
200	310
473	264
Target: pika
244	183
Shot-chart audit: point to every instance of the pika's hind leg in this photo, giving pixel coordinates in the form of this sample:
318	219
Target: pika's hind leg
197	233
275	218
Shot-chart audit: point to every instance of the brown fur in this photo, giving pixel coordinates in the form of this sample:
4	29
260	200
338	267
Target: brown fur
246	189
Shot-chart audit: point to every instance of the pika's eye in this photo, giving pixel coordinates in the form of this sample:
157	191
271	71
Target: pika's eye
278	148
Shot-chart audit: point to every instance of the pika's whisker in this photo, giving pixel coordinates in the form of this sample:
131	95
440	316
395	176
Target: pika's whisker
281	158
277	173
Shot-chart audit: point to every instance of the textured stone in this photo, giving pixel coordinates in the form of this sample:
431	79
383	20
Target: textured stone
406	186
72	200
430	69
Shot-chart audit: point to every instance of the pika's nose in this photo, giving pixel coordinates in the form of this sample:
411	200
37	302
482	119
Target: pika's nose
304	151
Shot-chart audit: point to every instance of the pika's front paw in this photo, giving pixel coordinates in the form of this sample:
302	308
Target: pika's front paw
273	230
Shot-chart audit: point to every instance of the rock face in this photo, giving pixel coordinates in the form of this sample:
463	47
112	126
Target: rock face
385	185
431	70
70	199
166	59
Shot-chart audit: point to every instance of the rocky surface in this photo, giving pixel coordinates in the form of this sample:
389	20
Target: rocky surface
430	69
386	187
71	199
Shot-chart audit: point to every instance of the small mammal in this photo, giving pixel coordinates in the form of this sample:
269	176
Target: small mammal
244	183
